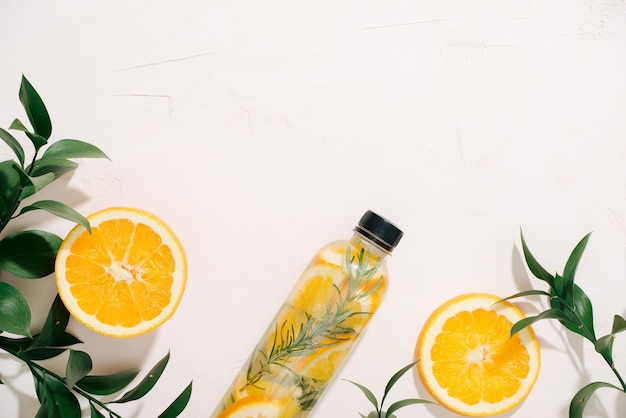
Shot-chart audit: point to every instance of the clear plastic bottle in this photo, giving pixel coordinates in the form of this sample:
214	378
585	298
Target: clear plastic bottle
316	328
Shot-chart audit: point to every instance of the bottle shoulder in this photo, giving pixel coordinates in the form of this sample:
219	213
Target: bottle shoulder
351	252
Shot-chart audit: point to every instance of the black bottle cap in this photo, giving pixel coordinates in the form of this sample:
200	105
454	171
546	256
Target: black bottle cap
379	230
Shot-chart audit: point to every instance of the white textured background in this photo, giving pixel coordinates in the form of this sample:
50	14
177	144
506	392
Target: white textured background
261	130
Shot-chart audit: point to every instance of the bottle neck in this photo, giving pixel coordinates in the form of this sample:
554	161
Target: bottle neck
373	248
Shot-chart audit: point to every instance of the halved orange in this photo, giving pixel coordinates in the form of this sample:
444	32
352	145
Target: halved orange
125	278
469	362
259	406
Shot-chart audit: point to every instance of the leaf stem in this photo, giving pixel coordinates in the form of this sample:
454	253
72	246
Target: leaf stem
32	365
619	377
17	201
14	206
76	389
32	163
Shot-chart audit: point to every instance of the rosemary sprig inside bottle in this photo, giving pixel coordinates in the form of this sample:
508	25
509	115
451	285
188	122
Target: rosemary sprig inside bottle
290	341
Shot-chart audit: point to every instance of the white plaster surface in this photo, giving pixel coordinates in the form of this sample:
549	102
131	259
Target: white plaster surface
259	131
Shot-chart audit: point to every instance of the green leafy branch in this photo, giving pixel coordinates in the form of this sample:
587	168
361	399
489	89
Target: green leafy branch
378	408
31	254
573	309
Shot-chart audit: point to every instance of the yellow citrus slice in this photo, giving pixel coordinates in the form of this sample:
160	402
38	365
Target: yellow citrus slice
323	364
469	362
276	383
259	406
320	287
259	378
336	253
125	278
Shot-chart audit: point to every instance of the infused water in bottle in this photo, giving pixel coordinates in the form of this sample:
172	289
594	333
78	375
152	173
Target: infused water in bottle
316	328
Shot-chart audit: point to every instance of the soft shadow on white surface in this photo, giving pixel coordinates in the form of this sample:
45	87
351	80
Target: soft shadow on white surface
114	354
518	269
27	402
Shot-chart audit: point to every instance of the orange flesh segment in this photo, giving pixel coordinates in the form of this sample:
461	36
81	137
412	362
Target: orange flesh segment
121	272
474	347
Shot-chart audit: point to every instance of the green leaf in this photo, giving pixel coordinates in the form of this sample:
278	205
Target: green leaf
94	413
61	402
42	353
522	294
107	384
17	125
35	109
582	310
14	311
604	345
40	387
10	185
179	404
577	406
79	364
72	148
37	140
42	412
570	267
533	265
19	346
14	345
549	314
64	340
29	254
394	379
619	324
56	167
53	330
30	185
368	393
59	209
557	291
14	145
147	383
406	402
